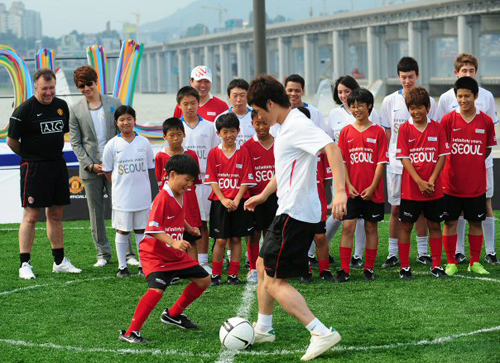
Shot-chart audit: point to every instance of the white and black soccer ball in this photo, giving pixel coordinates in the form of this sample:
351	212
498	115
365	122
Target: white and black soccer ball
236	334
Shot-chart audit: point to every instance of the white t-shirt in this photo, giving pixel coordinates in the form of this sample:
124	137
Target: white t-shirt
316	116
246	129
295	152
129	164
99	121
339	118
393	113
200	139
485	102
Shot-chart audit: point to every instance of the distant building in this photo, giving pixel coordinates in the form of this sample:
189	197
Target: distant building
129	31
31	25
23	23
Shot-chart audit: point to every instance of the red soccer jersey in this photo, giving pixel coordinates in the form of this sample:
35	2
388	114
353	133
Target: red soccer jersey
193	216
209	111
323	173
423	149
362	151
263	163
166	216
464	173
230	173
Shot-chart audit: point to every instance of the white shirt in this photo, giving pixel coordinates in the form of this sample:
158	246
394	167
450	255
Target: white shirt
393	113
316	116
295	152
200	139
339	118
247	131
99	121
129	164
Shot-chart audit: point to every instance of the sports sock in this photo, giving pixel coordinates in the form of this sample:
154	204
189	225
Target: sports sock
253	254
345	258
58	254
312	249
121	243
404	254
144	308
318	327
360	238
228	253
436	251
450	246
332	226
138	239
217	268
190	294
203	258
393	247
489	234
476	246
264	322
422	245
24	257
234	268
460	236
324	265
371	256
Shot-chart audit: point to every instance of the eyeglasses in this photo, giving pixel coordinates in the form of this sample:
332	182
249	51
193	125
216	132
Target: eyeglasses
82	85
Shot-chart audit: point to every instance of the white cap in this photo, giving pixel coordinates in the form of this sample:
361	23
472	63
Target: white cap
201	72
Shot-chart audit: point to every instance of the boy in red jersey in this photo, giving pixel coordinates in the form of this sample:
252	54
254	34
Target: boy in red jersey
173	133
163	252
471	136
364	150
229	173
422	148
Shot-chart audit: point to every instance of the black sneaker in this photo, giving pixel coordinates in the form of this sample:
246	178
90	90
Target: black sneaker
135	337
215	280
313	261
438	271
175	280
233	280
356	262
390	262
140	272
331	259
460	257
307	279
247	264
424	260
327	275
123	272
492	259
342	276
181	320
405	273
369	275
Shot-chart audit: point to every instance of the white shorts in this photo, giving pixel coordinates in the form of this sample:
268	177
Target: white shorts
202	193
130	221
394	188
490	183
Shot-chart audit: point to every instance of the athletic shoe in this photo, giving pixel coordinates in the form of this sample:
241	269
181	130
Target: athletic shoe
233	280
313	261
100	262
478	269
451	269
26	271
460	257
132	261
390	262
175	280
65	267
320	344
252	277
207	268
342	276
140	272
262	336
135	337
247	263
424	260
331	259
356	262
215	280
327	275
123	272
181	320
492	259
307	279
369	274
405	273
438	271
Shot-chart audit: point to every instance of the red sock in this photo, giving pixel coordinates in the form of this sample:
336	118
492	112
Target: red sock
404	254
476	246
324	265
371	256
234	268
144	308
345	258
253	253
450	246
436	251
217	268
190	294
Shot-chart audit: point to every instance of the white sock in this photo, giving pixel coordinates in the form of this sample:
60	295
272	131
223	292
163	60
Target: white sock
318	327
489	235
138	238
422	245
312	249
332	226
393	247
228	255
121	242
461	235
264	322
203	258
360	238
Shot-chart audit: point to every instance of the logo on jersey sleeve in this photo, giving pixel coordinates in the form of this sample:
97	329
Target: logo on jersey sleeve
51	127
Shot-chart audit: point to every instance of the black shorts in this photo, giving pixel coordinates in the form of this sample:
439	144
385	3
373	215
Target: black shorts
224	224
366	209
264	213
320	228
44	183
285	247
474	208
191	238
410	210
161	279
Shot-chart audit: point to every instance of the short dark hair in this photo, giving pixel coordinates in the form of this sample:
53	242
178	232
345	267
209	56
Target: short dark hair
254	114
418	97
305	111
295	78
227	120
172	123
266	88
466	83
45	73
346	81
84	74
361	95
407	64
122	110
237	83
187	91
182	164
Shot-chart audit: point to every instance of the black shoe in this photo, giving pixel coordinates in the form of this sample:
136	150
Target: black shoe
460	257
123	272
313	261
356	262
140	272
331	259
175	280
134	337
438	271
215	280
342	276
369	275
307	279
390	262
492	259
405	273
424	260
247	264
327	275
233	280
181	320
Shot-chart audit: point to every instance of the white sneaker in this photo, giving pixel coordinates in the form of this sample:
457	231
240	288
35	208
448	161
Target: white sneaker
252	277
132	262
320	344
207	268
65	267
263	337
100	262
26	271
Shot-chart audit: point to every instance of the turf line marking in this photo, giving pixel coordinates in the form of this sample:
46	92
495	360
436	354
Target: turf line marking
478	278
32	287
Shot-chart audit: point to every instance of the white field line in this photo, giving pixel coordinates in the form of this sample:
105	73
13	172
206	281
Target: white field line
478	278
32	287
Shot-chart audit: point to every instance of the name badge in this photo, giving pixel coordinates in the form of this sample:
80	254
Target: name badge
431	138
479	131
373	141
239	166
211	113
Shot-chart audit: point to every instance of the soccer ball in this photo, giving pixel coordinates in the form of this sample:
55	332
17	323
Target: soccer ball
236	334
